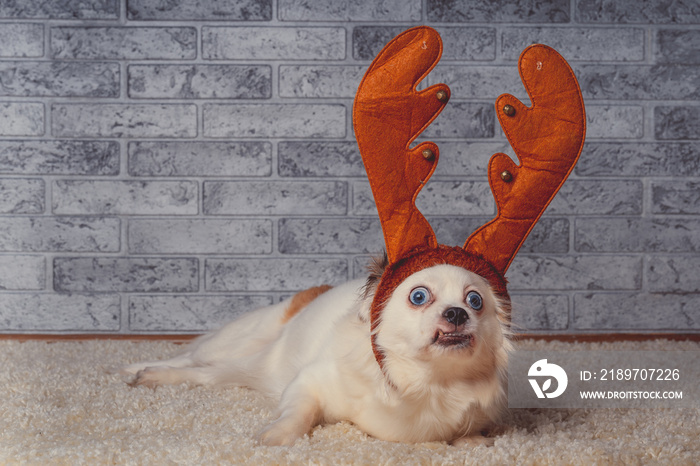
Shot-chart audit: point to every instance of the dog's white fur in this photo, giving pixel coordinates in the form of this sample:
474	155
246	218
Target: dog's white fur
321	367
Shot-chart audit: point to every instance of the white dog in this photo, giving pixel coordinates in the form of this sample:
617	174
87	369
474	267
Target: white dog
444	341
418	351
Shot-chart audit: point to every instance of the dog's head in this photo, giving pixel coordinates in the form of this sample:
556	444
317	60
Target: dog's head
437	308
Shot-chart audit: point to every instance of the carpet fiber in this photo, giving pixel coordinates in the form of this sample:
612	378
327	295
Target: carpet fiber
62	404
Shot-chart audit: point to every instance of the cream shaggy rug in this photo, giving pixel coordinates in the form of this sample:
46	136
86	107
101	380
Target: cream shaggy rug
61	404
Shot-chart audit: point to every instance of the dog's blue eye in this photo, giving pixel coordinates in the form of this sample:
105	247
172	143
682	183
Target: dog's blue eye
474	300
419	296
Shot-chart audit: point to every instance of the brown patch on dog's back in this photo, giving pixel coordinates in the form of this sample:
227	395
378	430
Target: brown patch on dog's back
302	299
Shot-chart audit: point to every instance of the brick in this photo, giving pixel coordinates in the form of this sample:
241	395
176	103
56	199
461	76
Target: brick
463	120
268	43
311	81
18	196
125	274
675	197
63	234
273	274
21	119
272	121
637	235
577	44
65	9
342	158
125	197
575	273
362	199
200	10
19	272
368	41
479	82
540	312
614	122
363	235
60	312
22	40
319	159
275	198
360	265
123	43
468	43
356	10
498	11
59	79
437	198
459	43
678	46
549	236
639	82
677	122
584	197
124	120
189	313
639	159
618	122
673	274
59	157
200	236
633	12
633	311
466	158
454	230
330	236
59	234
199	82
211	159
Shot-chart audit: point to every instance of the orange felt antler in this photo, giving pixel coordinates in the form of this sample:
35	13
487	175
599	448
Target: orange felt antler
547	138
388	114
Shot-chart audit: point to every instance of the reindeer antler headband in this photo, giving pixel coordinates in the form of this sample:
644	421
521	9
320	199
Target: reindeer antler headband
389	114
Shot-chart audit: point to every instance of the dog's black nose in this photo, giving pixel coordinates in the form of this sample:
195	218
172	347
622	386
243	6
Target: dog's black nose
456	316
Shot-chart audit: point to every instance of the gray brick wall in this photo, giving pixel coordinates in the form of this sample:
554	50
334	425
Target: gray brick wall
165	166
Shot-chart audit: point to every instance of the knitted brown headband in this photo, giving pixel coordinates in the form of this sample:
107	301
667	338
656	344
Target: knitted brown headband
396	273
389	114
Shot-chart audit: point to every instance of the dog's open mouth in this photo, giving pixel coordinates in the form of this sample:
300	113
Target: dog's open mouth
452	339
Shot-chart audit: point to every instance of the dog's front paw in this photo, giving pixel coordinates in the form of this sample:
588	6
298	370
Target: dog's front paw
283	432
148	377
131	369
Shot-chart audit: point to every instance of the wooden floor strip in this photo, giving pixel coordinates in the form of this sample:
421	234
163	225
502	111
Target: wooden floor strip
579	337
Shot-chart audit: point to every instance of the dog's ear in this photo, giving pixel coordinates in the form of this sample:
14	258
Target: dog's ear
375	270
